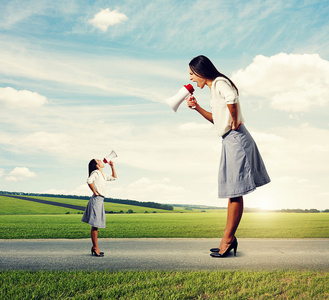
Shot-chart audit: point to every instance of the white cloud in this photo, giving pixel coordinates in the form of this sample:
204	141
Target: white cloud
297	162
263	137
82	190
295	150
20	173
193	126
106	18
58	143
292	82
55	192
2	171
146	189
291	179
21	99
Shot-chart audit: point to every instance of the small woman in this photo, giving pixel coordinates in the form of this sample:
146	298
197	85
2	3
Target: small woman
94	213
241	167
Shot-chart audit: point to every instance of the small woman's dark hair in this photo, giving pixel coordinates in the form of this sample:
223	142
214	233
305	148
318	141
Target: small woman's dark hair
92	166
202	66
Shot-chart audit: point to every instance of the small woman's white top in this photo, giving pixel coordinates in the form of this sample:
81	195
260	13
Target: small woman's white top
99	181
222	93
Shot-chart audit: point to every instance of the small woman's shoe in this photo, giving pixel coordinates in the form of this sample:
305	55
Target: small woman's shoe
92	249
234	245
214	250
93	252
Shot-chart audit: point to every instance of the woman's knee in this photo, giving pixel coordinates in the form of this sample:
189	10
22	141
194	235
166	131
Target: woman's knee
237	199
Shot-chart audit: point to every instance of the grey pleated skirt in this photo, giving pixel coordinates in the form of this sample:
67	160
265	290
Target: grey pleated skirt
241	167
94	213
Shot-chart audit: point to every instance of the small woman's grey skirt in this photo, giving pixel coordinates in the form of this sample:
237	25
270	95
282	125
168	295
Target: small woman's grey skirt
241	167
94	213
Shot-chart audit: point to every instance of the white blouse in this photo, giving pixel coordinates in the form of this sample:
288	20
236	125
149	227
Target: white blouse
222	93
99	181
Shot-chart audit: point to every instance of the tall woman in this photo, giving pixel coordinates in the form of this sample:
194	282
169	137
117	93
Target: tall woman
241	167
94	213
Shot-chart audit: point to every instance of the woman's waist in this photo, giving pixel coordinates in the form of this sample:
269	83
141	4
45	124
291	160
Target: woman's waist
242	129
99	196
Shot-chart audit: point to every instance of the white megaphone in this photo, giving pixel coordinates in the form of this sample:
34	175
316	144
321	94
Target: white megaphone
183	93
109	157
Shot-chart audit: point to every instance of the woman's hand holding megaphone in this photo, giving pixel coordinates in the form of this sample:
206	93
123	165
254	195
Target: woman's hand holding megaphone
191	102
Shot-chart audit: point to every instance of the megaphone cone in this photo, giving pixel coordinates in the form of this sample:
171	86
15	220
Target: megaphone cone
183	93
110	156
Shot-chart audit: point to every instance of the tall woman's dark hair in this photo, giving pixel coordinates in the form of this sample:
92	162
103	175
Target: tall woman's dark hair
92	166
202	66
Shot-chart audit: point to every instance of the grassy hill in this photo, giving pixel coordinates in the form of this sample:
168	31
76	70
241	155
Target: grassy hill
13	206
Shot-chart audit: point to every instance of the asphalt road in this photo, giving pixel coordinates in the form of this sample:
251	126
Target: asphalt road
163	254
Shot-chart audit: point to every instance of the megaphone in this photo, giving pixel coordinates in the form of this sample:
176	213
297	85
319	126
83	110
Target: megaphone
183	93
109	157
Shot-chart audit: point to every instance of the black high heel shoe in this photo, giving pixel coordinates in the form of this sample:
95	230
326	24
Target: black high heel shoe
93	249
234	245
214	250
93	252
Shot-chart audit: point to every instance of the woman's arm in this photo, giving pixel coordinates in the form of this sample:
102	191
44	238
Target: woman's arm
192	103
114	173
91	186
233	108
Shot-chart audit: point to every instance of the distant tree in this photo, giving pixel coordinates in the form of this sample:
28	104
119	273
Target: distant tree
298	210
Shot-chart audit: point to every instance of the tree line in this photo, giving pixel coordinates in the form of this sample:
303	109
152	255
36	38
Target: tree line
312	210
112	200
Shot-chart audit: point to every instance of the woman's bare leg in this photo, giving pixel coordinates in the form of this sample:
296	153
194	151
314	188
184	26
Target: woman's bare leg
94	234
234	214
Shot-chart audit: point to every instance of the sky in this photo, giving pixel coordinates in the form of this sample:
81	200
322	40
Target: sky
82	78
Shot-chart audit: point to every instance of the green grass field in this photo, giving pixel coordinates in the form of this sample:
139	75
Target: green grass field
189	225
164	285
26	219
12	206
